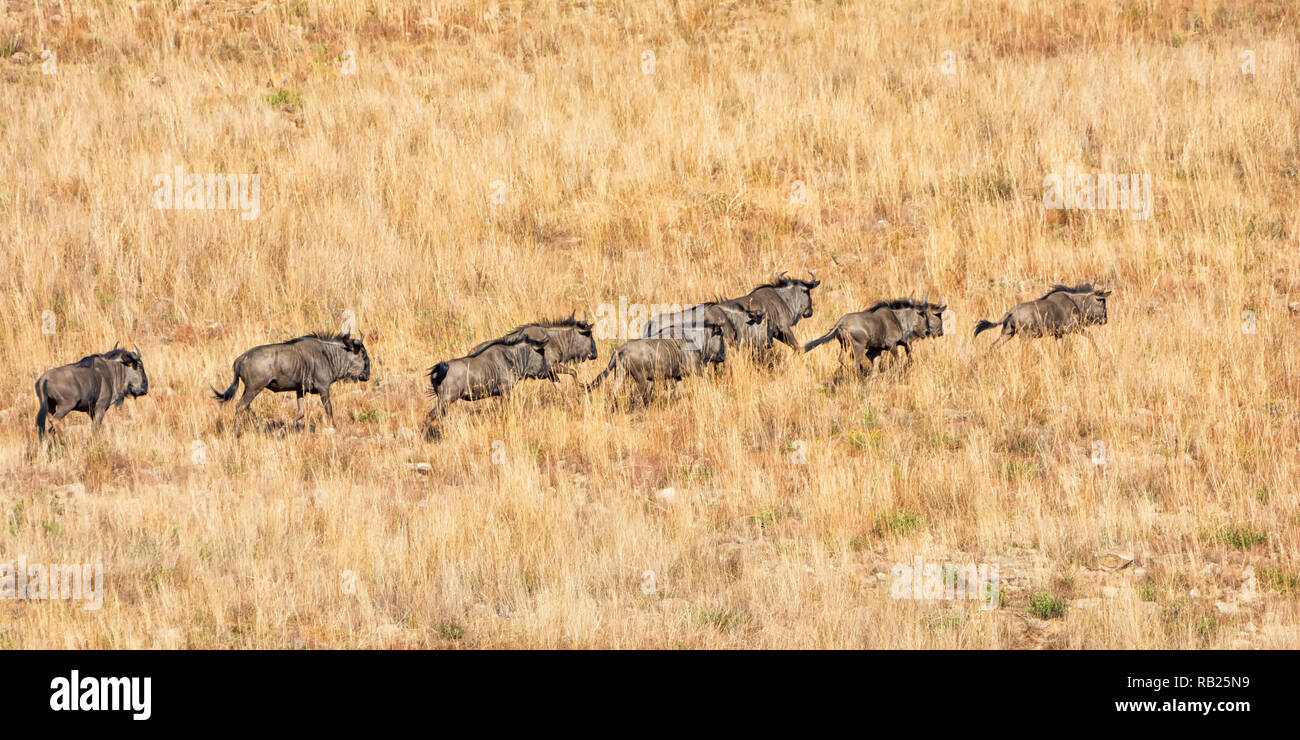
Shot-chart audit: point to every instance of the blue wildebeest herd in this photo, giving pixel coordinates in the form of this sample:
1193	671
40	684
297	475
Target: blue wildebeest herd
674	345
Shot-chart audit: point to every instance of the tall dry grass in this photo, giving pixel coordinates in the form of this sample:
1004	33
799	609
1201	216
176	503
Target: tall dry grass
538	517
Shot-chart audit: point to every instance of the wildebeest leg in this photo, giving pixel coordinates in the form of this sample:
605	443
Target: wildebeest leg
860	358
97	415
431	419
1001	338
325	401
787	336
250	392
58	415
871	356
302	410
897	354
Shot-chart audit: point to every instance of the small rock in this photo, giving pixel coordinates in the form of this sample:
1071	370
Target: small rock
1226	608
423	468
667	495
1195	593
1113	561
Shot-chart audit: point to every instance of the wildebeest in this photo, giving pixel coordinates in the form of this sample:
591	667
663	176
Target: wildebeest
783	302
740	325
1062	310
90	385
306	364
885	327
656	359
569	340
492	369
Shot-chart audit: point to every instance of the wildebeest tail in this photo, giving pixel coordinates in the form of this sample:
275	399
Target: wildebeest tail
44	411
823	339
229	392
593	385
437	374
986	324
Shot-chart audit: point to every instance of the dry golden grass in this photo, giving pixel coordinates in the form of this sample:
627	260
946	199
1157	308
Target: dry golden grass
666	187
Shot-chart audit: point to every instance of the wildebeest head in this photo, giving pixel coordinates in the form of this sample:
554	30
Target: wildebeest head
800	298
135	381
357	360
581	342
1093	307
934	318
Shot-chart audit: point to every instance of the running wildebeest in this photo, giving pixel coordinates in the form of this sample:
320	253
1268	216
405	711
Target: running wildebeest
492	369
569	340
1062	310
783	302
90	385
307	364
657	359
885	327
740	325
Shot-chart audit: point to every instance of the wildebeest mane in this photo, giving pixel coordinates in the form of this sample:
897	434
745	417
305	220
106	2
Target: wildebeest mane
903	303
323	336
567	321
514	337
781	281
1080	288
